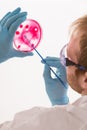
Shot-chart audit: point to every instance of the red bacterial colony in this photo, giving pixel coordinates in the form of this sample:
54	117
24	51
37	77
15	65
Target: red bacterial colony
28	36
17	32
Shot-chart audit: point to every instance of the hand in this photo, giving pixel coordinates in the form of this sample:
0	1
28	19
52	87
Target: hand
57	93
8	25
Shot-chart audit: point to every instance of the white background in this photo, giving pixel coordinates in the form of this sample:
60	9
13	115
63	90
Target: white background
21	80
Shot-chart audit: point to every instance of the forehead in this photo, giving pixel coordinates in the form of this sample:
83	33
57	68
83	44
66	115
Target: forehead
73	49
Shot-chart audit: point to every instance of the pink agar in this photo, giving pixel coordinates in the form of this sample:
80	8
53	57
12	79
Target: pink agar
27	36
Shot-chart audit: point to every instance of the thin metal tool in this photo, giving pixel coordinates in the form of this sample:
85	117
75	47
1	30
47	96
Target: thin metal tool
46	63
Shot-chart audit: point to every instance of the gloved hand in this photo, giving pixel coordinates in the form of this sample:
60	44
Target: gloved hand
57	93
8	25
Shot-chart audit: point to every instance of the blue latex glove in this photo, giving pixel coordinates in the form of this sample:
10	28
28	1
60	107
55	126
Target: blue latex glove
8	25
57	93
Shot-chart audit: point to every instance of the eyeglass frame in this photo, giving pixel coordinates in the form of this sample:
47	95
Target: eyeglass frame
66	62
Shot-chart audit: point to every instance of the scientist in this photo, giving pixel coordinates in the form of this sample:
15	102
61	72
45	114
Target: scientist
72	65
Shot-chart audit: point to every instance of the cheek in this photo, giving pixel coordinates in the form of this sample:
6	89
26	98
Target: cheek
73	80
70	73
71	77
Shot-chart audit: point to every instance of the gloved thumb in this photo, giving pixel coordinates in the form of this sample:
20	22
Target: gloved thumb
47	73
16	53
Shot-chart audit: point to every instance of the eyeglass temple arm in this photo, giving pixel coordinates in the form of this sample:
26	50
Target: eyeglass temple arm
70	63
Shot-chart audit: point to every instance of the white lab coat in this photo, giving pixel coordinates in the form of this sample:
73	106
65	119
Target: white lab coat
67	117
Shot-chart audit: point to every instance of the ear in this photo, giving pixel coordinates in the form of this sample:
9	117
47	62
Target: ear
84	81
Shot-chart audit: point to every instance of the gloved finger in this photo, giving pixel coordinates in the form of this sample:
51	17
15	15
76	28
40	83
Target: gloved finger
47	73
48	58
16	53
0	28
4	18
14	18
8	15
52	61
15	25
16	11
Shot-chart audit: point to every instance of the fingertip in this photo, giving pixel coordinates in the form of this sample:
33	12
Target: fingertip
18	9
43	61
31	53
24	13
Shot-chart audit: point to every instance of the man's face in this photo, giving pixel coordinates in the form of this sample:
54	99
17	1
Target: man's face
73	52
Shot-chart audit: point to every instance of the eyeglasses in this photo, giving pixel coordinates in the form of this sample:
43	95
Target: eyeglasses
66	62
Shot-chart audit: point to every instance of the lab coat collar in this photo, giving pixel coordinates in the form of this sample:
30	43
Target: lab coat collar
81	102
79	108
